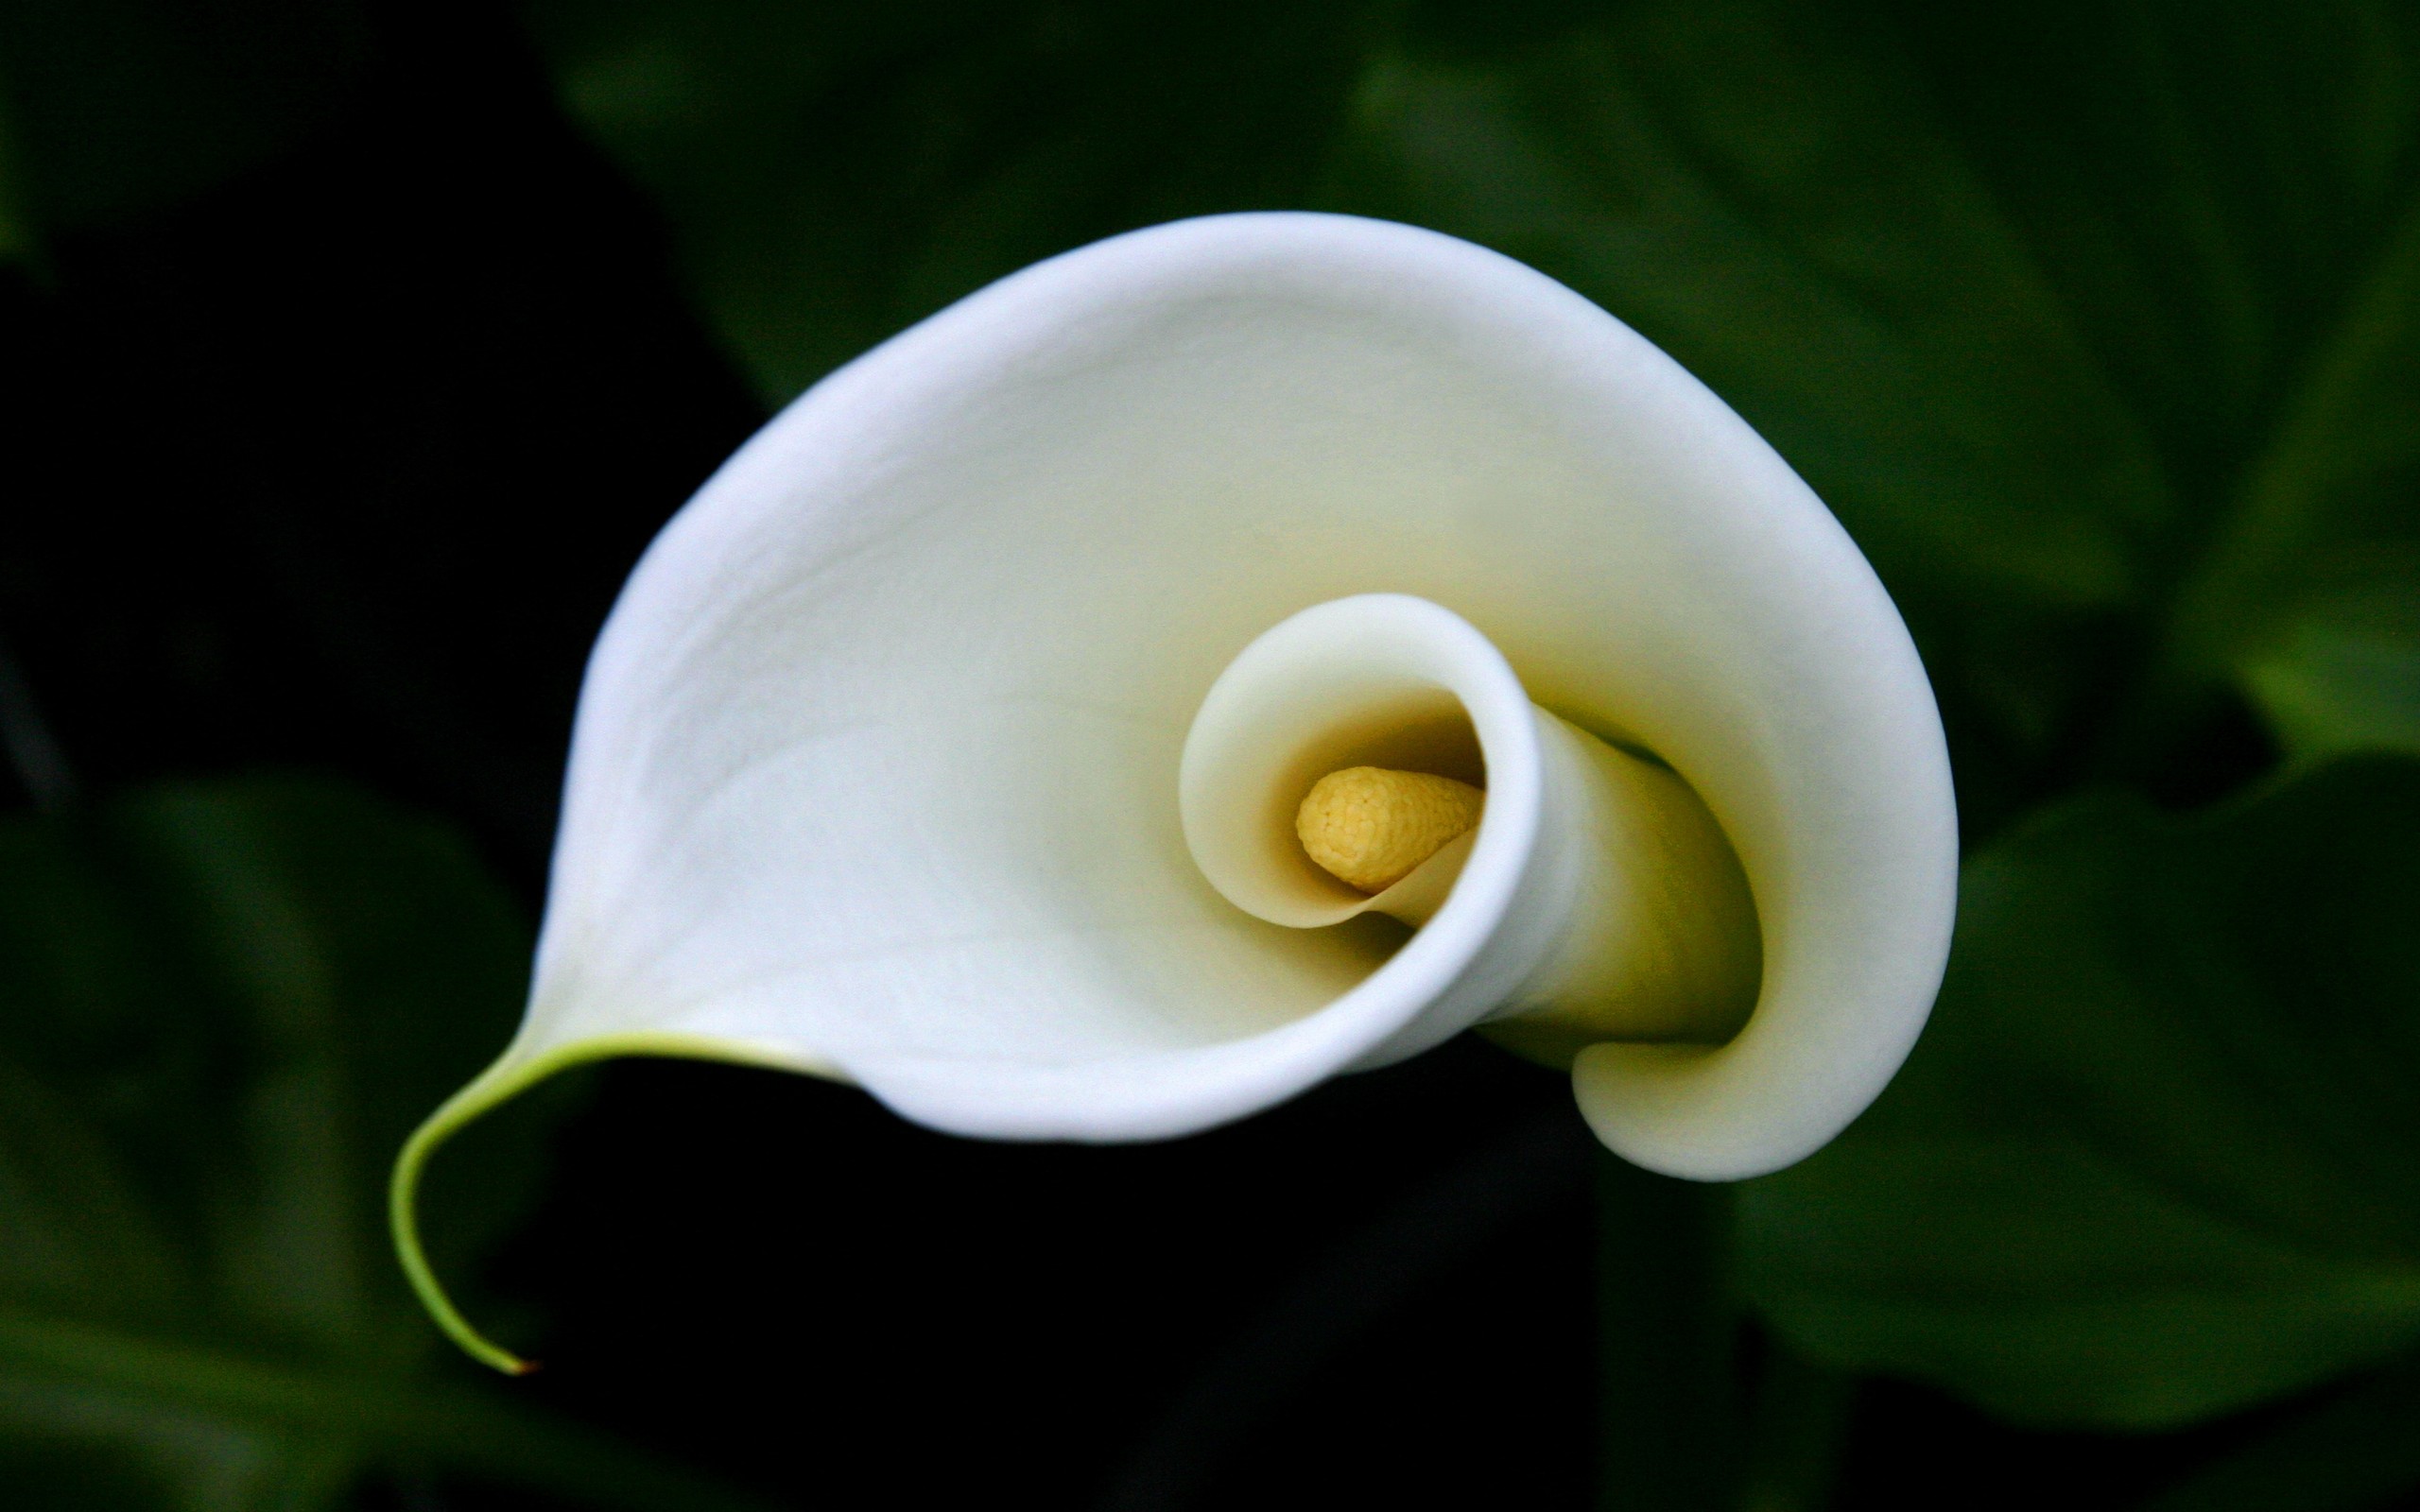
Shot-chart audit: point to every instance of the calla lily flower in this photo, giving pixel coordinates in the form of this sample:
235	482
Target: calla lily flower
950	741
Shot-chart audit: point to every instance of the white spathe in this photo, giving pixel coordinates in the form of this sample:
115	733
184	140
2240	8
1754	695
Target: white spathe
875	768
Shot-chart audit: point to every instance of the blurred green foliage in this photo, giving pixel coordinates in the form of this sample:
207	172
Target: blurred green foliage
2355	1450
2344	677
2153	1159
834	172
226	1006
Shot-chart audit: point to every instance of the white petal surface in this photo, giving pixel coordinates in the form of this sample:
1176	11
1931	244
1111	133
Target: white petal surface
875	769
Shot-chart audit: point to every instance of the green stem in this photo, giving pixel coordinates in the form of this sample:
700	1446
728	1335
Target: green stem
499	1084
1669	1434
511	1076
1797	1432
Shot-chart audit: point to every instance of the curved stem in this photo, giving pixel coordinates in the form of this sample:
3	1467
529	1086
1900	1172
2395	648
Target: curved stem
499	1084
1668	1431
1797	1430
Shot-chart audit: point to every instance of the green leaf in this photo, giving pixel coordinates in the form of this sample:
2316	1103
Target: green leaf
2226	196
834	173
222	1008
2353	1449
2346	675
2153	1159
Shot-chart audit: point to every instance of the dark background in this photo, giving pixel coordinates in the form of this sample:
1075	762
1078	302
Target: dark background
335	463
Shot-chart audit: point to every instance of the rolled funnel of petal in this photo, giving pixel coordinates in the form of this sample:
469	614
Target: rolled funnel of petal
1597	900
875	769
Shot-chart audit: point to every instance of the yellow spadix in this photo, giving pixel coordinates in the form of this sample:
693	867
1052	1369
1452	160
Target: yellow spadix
1369	827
